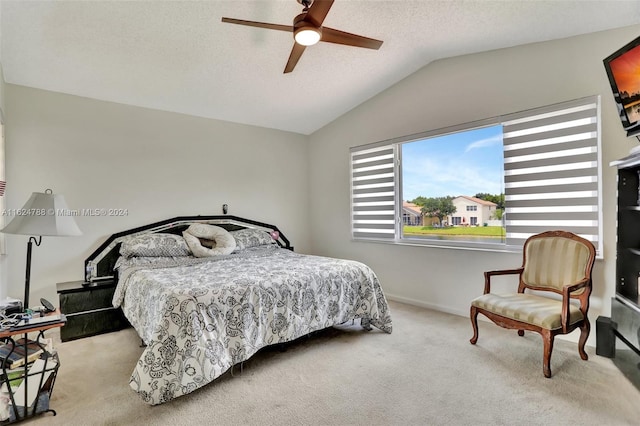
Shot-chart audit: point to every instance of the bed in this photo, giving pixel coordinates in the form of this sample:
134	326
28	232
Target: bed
199	316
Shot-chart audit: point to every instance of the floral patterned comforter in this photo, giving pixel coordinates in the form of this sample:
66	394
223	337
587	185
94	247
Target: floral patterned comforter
201	317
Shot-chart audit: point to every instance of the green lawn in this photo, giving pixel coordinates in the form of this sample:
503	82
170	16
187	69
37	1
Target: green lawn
478	231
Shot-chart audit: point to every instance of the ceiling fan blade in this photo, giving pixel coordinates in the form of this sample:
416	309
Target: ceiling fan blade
330	35
288	28
296	52
318	11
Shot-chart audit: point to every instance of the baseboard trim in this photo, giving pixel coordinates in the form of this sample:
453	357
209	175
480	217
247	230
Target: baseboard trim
421	304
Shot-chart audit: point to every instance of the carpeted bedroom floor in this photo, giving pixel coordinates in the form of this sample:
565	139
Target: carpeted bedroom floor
425	373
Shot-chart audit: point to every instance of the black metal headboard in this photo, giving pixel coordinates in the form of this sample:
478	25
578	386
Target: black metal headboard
100	264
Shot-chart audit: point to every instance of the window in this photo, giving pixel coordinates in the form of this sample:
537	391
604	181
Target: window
548	178
450	176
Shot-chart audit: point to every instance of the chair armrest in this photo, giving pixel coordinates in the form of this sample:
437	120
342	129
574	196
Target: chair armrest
489	274
566	292
573	287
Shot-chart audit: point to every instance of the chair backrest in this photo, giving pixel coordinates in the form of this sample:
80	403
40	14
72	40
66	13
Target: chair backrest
554	259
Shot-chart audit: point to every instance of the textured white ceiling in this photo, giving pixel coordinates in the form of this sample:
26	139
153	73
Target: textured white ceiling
177	55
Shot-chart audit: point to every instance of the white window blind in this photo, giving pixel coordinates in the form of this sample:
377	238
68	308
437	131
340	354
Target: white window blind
373	192
551	167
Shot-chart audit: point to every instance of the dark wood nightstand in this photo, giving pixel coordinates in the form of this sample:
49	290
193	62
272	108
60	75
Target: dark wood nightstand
88	309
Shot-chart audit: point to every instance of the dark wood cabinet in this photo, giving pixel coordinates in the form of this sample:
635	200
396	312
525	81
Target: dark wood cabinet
88	308
628	245
619	336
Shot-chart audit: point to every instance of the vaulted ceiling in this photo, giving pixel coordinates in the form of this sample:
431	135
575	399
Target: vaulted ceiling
178	56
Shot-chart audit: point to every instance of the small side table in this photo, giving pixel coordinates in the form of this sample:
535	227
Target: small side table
37	378
89	309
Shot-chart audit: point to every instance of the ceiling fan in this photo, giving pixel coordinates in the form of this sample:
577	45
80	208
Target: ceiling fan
307	30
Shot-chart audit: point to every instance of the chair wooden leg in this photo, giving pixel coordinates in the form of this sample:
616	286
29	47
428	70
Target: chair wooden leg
547	339
474	323
584	335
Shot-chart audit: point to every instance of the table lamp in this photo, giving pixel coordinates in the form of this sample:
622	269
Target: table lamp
44	214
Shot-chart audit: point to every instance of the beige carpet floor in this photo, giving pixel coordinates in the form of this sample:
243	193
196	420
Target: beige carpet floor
425	373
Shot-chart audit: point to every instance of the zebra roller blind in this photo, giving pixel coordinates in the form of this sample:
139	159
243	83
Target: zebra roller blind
551	170
373	192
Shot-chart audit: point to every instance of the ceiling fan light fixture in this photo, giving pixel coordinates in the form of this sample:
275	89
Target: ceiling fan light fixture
307	35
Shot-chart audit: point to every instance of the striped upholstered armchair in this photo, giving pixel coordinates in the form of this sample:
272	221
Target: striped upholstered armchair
555	262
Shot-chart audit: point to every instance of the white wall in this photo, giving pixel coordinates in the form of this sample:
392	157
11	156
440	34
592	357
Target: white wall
455	91
155	164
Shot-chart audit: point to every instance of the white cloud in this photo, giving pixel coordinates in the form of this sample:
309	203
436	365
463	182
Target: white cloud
483	143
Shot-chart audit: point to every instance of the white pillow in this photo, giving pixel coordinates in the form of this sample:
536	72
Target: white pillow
225	243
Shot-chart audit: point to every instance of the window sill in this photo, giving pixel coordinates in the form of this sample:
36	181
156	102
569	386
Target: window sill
495	248
498	248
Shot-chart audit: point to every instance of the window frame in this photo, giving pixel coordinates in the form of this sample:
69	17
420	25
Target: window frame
512	244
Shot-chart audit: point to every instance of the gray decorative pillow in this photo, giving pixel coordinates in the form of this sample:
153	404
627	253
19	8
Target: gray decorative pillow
247	238
128	262
155	245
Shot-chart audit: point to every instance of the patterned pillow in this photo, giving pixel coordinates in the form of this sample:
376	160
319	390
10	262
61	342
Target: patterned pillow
128	262
155	245
247	238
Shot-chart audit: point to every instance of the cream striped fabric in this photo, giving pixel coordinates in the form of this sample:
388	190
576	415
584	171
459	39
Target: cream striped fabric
554	262
528	308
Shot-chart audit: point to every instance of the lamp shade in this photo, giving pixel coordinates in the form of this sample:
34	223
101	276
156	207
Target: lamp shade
44	214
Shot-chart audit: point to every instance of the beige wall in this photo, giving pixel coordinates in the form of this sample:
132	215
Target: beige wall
155	164
455	91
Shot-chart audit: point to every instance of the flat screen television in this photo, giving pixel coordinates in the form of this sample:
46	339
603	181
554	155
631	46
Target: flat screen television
623	70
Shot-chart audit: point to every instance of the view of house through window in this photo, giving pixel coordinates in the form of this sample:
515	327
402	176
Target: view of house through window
453	187
485	185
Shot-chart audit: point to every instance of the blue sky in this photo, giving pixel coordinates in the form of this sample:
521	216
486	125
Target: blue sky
463	163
